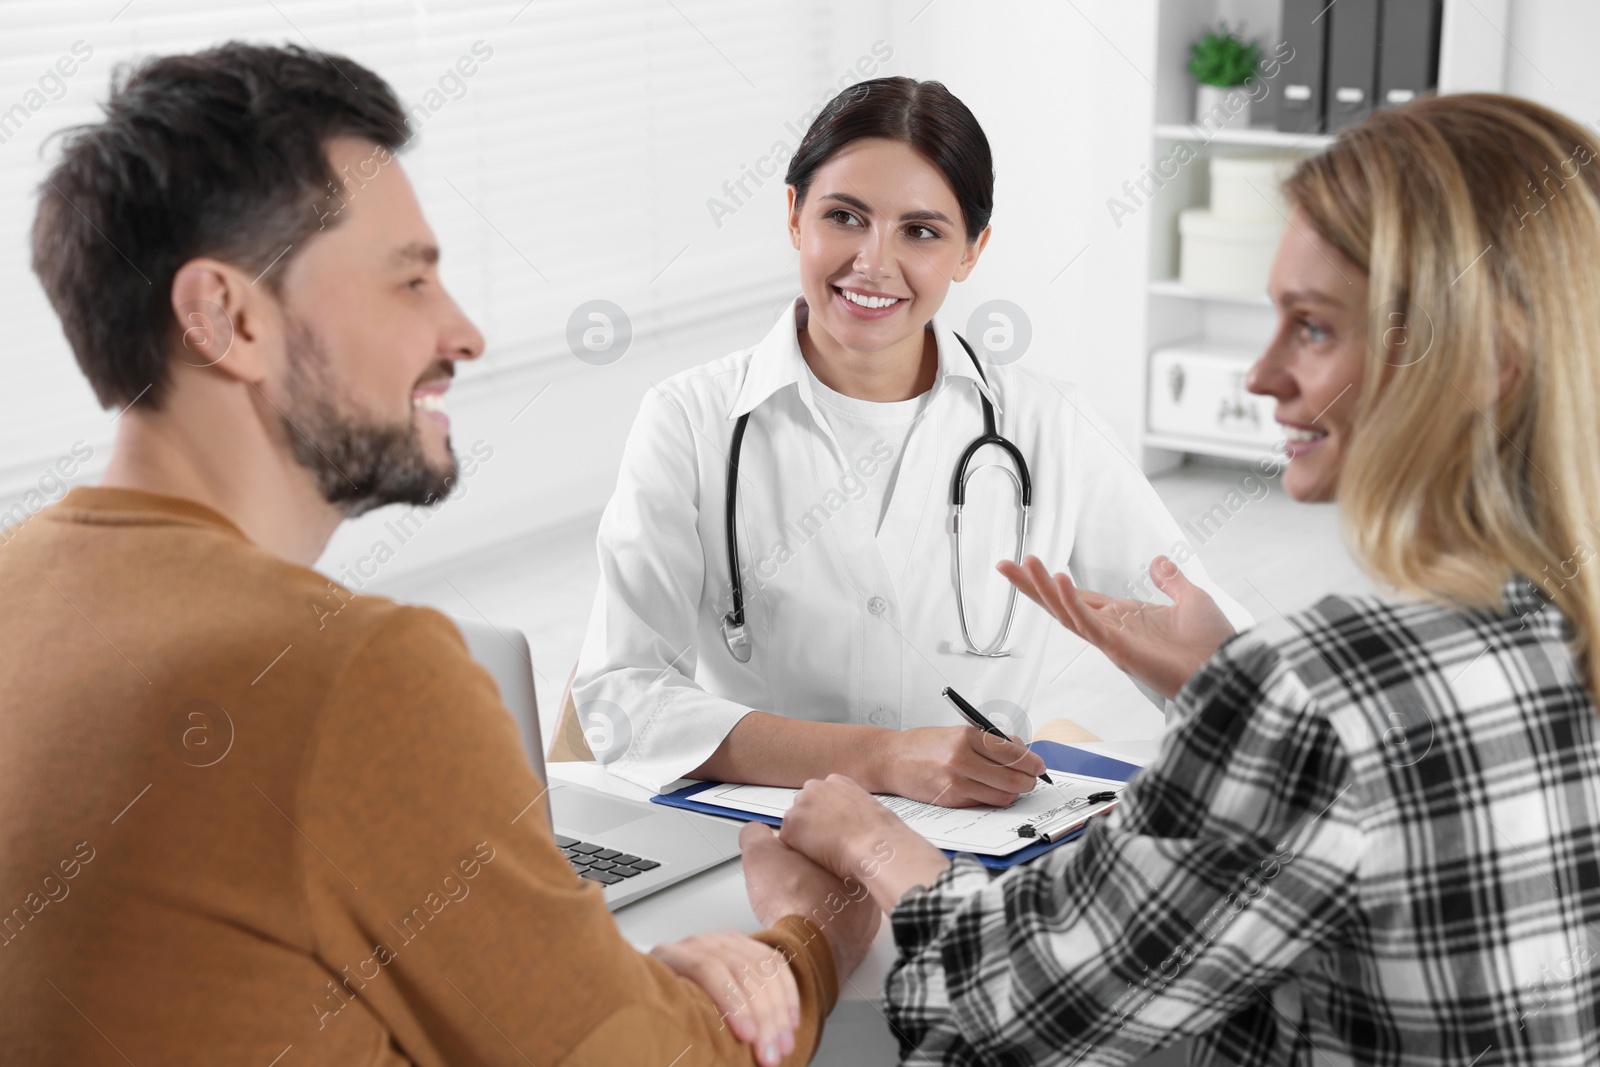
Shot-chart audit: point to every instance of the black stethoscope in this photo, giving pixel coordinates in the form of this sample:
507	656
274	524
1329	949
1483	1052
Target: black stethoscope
737	634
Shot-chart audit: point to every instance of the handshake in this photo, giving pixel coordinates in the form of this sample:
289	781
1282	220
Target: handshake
839	863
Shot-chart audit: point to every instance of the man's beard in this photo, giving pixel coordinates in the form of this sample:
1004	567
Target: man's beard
358	464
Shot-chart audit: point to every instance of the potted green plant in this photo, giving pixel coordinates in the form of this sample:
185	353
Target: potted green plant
1223	61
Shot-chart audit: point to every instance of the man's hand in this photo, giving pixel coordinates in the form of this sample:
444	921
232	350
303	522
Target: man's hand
750	984
782	882
958	767
1159	645
846	830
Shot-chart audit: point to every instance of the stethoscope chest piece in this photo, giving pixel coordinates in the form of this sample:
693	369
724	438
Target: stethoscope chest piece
737	635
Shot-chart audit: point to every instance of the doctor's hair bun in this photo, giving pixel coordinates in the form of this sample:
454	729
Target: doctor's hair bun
924	115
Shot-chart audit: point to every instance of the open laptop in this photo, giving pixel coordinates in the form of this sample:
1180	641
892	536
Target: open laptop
631	848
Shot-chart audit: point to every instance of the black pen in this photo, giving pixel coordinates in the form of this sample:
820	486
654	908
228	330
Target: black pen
975	717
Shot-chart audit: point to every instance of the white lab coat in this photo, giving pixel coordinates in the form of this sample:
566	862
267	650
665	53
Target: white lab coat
848	625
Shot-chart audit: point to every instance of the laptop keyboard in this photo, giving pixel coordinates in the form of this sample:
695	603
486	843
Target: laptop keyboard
600	864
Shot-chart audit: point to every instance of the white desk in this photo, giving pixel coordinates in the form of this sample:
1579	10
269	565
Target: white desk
856	1034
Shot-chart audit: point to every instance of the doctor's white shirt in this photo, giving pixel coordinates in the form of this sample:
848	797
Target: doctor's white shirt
850	620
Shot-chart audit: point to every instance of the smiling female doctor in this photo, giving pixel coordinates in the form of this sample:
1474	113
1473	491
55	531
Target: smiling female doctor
851	417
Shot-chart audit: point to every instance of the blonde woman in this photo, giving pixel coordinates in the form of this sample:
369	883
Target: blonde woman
1373	833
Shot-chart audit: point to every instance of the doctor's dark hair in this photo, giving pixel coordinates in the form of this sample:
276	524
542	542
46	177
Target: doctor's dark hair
923	115
219	153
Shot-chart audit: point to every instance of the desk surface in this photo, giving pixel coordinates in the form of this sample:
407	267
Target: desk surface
715	899
857	1034
711	900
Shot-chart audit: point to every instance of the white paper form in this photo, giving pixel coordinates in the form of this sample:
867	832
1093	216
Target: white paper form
988	831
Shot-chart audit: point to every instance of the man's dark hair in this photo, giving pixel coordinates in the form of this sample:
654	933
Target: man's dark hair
220	153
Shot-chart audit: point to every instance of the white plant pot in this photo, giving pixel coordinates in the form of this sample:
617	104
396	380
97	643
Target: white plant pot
1216	107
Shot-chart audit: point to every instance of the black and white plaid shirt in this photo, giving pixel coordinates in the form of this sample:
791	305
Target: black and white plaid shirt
1372	835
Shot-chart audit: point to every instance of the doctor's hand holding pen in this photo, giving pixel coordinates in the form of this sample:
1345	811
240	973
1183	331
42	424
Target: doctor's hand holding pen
960	767
952	766
1160	645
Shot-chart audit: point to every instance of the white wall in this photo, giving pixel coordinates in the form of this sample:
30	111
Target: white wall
555	459
1550	54
727	82
1063	91
1064	94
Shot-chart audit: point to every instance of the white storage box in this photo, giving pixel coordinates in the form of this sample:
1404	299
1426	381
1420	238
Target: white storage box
1248	188
1224	256
1197	390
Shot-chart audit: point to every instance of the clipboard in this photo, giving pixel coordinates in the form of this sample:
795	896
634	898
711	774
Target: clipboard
1057	757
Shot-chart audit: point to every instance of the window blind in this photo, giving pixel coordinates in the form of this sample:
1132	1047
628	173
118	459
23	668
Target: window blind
567	150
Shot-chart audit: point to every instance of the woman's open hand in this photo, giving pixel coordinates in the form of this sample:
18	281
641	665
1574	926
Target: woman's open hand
1160	645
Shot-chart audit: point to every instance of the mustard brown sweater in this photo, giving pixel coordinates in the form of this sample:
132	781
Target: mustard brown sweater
249	817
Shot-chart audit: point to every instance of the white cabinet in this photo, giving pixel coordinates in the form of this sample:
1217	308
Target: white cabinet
1197	391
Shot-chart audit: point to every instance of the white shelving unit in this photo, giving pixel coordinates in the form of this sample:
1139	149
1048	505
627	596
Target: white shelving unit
1173	287
1472	58
1254	136
1205	446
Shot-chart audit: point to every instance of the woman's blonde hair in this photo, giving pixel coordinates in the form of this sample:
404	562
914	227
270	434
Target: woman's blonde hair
1473	454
